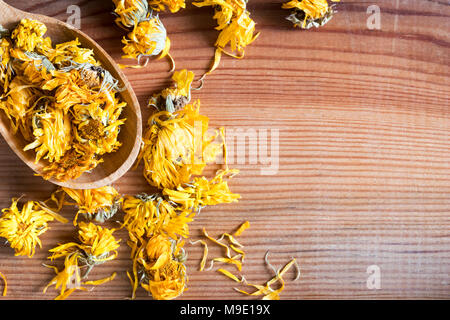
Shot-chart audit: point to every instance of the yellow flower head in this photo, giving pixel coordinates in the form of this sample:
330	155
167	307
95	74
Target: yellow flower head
52	133
175	98
34	67
22	228
176	146
236	28
71	51
148	38
98	243
172	5
130	12
158	267
77	160
146	216
202	192
5	66
97	246
158	250
309	13
19	99
95	204
168	282
28	34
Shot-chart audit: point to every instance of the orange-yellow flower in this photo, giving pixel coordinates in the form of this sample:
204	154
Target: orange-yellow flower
168	282
237	29
28	34
176	146
201	192
148	38
95	204
174	98
130	12
148	215
97	246
22	228
309	13
5	65
172	5
160	260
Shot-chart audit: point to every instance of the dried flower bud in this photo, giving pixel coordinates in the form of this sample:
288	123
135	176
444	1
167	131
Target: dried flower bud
309	13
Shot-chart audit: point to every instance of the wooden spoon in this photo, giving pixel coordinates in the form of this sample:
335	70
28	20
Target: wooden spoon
115	164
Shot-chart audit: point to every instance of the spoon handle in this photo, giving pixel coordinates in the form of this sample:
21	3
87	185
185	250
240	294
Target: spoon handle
9	16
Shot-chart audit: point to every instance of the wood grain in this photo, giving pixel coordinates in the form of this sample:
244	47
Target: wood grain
364	151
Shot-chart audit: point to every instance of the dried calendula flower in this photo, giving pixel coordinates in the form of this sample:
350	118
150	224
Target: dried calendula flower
158	267
172	5
19	98
146	215
174	98
236	27
97	246
148	38
5	63
95	204
309	13
176	146
76	161
130	12
69	52
52	134
201	192
28	34
60	99
33	67
167	282
22	228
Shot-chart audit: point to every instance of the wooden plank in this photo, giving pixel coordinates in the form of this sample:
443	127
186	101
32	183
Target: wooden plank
364	152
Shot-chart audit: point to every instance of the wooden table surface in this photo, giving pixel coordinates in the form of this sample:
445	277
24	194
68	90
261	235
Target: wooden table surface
364	151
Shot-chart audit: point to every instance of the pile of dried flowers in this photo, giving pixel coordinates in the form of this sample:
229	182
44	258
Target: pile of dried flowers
176	148
66	105
59	98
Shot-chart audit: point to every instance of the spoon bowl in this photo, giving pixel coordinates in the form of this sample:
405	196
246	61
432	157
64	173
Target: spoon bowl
115	164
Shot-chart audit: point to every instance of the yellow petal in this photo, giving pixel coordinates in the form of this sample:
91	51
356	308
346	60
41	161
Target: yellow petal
101	281
205	253
5	288
242	228
227	249
233	260
229	275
